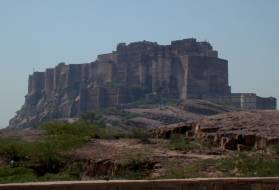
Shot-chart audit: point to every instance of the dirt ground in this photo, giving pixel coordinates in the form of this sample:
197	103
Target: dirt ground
157	151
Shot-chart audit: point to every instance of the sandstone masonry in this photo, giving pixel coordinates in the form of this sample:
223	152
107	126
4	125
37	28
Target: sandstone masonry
185	69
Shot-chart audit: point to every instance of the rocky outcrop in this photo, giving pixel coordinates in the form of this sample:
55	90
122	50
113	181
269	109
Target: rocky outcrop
184	69
241	130
230	131
203	107
167	131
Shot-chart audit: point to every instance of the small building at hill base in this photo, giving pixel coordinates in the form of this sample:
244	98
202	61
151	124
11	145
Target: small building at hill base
244	101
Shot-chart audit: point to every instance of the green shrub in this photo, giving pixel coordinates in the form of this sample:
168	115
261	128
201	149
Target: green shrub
13	149
78	129
140	134
192	170
19	174
46	159
275	149
93	118
249	164
179	142
62	176
136	166
74	170
189	171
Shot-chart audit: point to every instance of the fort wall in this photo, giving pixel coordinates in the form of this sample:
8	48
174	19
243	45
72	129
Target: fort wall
185	69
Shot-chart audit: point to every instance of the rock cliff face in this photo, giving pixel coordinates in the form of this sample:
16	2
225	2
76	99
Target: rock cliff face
243	130
184	69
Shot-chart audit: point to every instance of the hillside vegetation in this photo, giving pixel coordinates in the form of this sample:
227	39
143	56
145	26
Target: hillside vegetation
90	148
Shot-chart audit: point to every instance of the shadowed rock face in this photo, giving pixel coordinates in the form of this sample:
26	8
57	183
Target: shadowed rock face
184	69
242	130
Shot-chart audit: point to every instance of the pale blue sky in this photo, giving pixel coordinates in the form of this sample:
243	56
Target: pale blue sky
37	34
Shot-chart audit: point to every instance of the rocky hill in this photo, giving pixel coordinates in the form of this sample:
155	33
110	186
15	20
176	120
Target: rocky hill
184	69
137	72
117	146
242	130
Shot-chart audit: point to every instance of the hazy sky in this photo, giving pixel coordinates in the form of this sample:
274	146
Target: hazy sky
37	34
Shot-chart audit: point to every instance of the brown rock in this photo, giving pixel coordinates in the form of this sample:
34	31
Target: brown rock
232	131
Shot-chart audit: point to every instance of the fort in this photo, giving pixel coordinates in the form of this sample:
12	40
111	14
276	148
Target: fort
185	69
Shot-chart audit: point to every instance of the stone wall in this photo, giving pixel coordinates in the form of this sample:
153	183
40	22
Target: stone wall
185	69
266	103
244	101
178	70
207	76
174	184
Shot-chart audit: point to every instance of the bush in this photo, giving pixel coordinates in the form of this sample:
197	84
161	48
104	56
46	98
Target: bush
179	142
13	149
192	170
140	134
189	171
49	154
275	149
93	118
66	136
249	164
136	166
62	176
22	174
19	174
46	159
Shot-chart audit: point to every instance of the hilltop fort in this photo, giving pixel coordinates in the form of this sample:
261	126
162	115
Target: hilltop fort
186	69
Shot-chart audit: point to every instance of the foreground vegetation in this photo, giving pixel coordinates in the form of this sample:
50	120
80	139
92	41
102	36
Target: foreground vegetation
49	158
235	164
179	142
